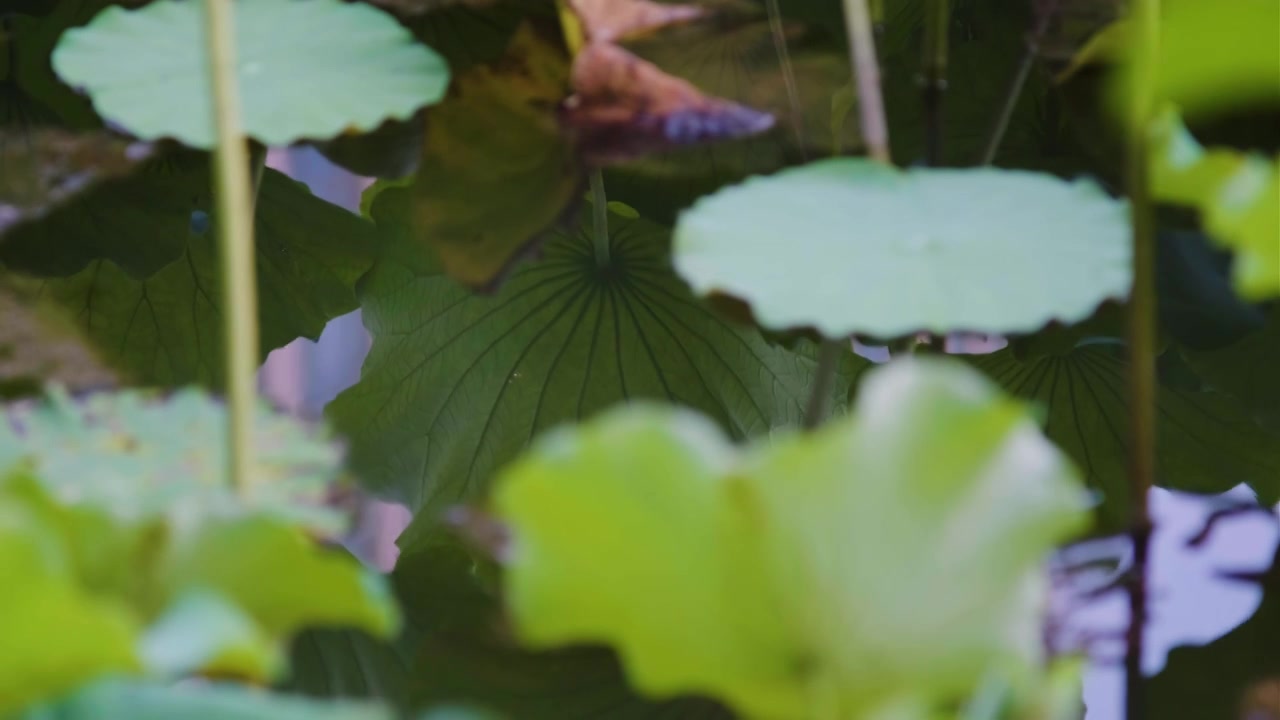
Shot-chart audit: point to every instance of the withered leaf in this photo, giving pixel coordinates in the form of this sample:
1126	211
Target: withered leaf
496	170
613	20
40	168
624	107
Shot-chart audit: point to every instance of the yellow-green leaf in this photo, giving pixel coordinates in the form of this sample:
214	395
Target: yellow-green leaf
760	577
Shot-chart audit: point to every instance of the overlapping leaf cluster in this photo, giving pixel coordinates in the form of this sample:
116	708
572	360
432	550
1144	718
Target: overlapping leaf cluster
125	552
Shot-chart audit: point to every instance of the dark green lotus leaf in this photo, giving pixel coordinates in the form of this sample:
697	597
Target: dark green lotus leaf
457	384
44	167
141	276
1249	369
1207	441
462	654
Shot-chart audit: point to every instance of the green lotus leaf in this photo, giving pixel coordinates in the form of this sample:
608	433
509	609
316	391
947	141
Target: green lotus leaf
44	167
205	632
1237	194
759	577
138	454
458	384
146	69
1211	58
1248	370
135	263
461	653
57	634
1207	441
280	577
112	699
851	246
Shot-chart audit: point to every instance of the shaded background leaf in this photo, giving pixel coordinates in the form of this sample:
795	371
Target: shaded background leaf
456	385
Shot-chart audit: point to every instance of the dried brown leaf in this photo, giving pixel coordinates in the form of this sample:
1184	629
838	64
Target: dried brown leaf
613	20
624	107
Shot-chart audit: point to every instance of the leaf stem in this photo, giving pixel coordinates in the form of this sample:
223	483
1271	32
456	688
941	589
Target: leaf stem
232	183
1001	124
1142	346
778	32
933	78
875	135
599	219
866	76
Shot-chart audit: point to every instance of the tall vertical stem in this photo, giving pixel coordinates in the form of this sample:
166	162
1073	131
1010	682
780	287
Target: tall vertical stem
866	75
1044	15
1142	344
574	39
233	185
934	76
599	219
875	135
779	34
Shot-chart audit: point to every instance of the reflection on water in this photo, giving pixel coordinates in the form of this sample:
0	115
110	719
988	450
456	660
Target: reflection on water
1190	604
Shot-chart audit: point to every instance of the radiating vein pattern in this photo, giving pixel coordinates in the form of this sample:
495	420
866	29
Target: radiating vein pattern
456	384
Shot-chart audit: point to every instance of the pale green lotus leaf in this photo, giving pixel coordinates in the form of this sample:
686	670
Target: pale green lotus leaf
147	69
850	246
763	577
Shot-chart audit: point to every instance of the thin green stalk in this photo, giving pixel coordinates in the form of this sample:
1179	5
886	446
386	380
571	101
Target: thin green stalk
232	184
1142	345
788	74
875	135
934	76
599	219
1001	124
866	76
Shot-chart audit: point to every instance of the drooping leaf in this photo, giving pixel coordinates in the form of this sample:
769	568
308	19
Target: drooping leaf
888	252
456	384
497	172
47	167
140	260
1237	195
113	699
1249	369
760	578
369	65
625	107
609	21
40	344
1212	681
1207	442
